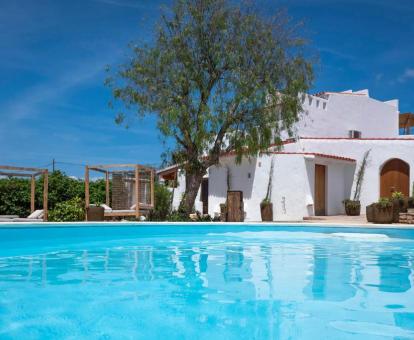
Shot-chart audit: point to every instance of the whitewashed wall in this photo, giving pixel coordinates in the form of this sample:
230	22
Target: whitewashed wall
180	190
381	151
293	180
340	113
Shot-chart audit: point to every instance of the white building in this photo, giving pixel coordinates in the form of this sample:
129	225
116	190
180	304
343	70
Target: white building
315	172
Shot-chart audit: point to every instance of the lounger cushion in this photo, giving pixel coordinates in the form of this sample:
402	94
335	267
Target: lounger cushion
37	214
106	207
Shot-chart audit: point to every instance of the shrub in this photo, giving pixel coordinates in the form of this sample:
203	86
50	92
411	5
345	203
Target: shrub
397	195
351	203
178	216
70	211
162	208
15	192
15	197
384	202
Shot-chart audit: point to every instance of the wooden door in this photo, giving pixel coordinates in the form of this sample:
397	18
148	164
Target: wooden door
235	211
204	195
320	190
395	176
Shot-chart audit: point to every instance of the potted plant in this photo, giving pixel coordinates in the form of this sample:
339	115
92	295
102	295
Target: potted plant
383	211
398	205
370	212
266	210
410	202
266	206
353	206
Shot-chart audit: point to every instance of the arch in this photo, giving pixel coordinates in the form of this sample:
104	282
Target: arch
394	176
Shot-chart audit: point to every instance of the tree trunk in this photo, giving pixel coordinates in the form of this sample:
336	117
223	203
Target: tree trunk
193	182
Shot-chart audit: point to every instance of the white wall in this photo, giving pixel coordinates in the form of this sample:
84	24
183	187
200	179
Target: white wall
381	151
243	177
335	116
180	190
289	190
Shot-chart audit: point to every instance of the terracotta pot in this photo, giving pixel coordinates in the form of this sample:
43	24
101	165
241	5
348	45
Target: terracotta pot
353	208
95	213
266	211
383	215
396	209
404	205
410	202
370	212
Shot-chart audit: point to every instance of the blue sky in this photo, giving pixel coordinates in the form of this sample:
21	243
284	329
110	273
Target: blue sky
53	103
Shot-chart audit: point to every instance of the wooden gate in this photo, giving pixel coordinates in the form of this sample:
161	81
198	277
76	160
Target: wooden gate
320	190
395	176
235	211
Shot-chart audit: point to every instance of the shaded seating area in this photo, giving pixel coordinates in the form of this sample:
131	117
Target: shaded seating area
129	190
31	174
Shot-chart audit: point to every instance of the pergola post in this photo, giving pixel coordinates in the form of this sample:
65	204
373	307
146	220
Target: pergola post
107	188
137	191
32	193
152	187
45	194
86	191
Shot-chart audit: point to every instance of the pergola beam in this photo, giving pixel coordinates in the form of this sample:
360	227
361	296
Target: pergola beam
20	168
14	174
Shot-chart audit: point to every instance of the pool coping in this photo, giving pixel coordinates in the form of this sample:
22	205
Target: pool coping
17	225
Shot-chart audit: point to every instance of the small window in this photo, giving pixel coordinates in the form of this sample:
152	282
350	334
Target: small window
324	106
310	101
317	103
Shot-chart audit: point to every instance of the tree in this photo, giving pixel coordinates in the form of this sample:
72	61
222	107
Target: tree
218	78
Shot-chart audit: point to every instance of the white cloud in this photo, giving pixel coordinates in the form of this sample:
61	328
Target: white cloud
407	74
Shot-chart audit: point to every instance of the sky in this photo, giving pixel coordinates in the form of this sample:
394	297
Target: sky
53	56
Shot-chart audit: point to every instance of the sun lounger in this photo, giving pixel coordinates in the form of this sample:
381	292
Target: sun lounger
35	216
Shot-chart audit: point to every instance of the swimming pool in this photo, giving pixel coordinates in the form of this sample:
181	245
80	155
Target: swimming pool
206	281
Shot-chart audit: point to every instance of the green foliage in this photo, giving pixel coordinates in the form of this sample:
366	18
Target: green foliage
69	211
266	201
61	188
15	197
218	77
162	207
384	202
15	193
360	176
397	195
178	216
351	203
97	194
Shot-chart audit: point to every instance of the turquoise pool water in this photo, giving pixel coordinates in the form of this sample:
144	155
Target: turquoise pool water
206	282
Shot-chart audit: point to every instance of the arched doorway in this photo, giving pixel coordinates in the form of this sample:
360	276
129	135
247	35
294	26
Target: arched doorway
395	176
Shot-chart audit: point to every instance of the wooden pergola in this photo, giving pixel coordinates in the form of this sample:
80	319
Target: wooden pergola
32	173
138	171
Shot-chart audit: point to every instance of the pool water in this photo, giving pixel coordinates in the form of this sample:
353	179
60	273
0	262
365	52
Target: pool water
206	282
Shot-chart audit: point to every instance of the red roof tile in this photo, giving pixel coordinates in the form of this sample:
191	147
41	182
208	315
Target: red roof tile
316	154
